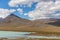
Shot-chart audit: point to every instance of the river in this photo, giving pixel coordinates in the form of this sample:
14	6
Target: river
11	34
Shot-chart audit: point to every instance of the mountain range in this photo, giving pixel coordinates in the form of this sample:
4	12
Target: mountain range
13	22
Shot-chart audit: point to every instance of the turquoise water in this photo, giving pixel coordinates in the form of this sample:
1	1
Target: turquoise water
10	34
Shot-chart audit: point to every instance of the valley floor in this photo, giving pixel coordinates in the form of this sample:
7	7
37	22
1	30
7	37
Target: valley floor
40	31
48	30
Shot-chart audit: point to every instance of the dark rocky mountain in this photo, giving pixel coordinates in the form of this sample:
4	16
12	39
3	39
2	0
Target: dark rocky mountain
55	23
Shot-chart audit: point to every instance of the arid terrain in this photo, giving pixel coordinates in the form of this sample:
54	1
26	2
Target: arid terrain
41	26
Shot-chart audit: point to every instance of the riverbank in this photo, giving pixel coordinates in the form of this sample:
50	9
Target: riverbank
27	39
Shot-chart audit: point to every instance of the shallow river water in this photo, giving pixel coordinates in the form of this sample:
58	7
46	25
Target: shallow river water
10	34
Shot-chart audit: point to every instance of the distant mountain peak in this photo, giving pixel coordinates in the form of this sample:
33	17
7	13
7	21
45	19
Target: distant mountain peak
14	15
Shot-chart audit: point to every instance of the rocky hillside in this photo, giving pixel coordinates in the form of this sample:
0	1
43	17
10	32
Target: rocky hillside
15	23
13	20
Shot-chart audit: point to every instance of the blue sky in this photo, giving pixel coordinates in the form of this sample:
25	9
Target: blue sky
39	9
4	4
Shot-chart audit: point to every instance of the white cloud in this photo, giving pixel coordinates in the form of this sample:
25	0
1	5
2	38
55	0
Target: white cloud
20	10
44	8
25	14
5	12
15	3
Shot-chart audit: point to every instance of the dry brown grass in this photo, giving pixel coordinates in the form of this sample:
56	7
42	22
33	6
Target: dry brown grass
31	29
47	30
